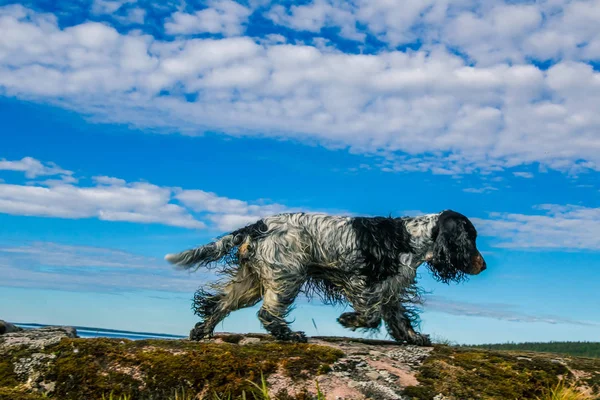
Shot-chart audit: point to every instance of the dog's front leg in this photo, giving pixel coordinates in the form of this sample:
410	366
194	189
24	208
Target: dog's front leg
399	326
360	320
365	301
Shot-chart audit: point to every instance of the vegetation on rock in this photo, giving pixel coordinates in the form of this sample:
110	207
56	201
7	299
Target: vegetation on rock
155	369
460	373
578	349
239	367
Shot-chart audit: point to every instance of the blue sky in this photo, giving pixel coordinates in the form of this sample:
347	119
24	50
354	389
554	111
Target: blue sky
130	130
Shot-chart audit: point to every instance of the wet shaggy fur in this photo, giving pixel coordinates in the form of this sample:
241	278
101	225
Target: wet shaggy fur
370	263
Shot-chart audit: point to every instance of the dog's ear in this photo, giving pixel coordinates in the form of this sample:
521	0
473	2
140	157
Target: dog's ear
453	248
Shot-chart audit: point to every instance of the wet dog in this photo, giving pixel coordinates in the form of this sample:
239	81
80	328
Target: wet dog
368	262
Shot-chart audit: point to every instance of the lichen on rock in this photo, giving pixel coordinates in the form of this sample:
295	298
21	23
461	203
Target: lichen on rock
55	363
36	339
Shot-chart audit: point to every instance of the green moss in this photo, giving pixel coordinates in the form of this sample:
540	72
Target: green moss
8	378
479	374
146	369
235	339
13	394
303	395
154	369
591	368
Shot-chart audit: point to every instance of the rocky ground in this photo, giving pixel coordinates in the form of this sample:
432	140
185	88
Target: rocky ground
52	362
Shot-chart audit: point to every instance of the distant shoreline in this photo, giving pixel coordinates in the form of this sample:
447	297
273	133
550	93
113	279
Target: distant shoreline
575	348
87	332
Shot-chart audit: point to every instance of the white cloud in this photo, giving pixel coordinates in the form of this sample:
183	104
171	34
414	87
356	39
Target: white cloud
109	180
226	17
426	110
272	39
496	311
123	11
32	167
521	174
228	214
134	202
316	15
101	7
62	255
487	32
134	15
114	199
571	33
484	189
83	268
568	227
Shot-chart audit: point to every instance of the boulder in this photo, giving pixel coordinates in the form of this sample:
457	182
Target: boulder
7	327
36	339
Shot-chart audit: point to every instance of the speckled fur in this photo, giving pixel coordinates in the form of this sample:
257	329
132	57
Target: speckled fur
370	263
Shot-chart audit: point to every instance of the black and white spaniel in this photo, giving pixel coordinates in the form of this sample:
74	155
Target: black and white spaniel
370	263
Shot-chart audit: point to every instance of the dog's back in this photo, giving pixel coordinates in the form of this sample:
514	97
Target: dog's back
303	238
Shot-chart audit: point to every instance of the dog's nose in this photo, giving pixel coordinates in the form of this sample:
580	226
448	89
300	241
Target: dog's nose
483	266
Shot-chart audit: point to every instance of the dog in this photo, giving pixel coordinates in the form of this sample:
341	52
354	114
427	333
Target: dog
369	262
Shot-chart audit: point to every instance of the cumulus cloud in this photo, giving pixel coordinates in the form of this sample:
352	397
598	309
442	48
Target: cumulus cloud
554	226
228	214
108	6
135	202
124	11
135	16
417	110
32	167
486	32
224	17
316	15
114	199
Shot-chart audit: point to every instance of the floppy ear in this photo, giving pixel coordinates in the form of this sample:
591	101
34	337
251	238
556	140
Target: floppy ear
451	252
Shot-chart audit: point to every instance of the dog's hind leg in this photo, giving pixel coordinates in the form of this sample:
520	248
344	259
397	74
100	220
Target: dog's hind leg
243	291
278	297
399	325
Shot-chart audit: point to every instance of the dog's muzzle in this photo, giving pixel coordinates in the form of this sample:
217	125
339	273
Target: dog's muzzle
478	264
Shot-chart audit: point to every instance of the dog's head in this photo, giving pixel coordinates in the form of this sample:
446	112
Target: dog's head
454	252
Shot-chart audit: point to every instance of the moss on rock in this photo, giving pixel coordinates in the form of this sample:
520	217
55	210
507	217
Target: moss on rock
465	374
153	369
15	394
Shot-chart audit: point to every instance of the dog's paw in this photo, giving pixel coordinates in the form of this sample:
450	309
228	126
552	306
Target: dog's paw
354	321
294	337
420	339
298	337
348	320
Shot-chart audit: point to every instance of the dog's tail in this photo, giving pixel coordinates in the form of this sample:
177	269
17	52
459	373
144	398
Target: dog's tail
203	255
215	251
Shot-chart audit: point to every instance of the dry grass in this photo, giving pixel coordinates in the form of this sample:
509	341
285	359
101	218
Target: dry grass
261	392
562	392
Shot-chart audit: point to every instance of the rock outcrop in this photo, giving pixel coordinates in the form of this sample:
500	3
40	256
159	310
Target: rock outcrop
7	327
36	339
53	362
